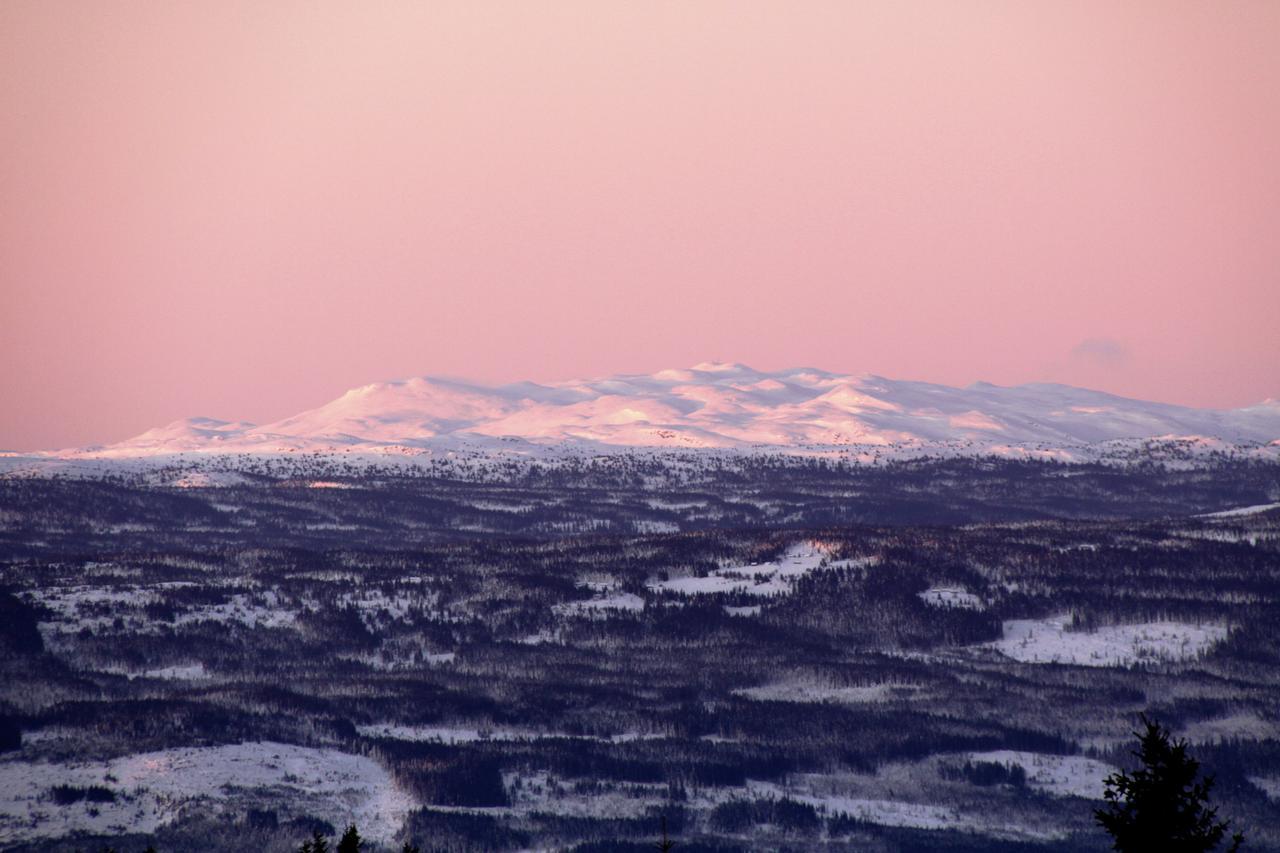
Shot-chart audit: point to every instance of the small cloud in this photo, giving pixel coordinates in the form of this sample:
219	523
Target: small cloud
1102	351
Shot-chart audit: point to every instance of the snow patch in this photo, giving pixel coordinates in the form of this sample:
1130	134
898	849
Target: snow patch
943	596
154	788
602	605
815	693
463	734
757	579
1059	775
1050	641
1241	511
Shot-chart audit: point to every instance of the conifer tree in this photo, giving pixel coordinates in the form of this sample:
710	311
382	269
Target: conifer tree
666	844
1162	807
351	842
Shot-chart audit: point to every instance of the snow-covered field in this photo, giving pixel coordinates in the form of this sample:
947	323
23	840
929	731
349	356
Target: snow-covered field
817	693
209	480
97	607
540	792
374	603
462	734
648	526
1049	641
258	610
759	579
92	607
1244	725
179	672
602	605
719	583
831	796
896	795
1059	775
943	596
884	812
155	788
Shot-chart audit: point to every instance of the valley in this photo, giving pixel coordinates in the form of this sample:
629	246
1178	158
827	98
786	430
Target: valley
781	654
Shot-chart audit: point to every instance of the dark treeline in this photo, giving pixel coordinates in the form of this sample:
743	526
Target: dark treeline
466	500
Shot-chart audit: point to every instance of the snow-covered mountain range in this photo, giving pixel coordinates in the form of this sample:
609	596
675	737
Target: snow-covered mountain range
711	405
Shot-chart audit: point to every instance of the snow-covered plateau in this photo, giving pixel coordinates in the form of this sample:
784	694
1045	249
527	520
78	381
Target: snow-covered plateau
712	408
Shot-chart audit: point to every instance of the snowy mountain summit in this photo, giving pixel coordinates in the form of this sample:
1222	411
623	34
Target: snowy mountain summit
714	406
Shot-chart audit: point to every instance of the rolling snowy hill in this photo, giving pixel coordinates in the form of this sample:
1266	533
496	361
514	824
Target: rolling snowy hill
729	407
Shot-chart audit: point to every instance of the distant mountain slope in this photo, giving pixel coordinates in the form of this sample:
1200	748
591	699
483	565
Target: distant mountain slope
711	405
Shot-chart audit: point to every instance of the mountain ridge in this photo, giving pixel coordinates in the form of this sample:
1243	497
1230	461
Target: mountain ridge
712	405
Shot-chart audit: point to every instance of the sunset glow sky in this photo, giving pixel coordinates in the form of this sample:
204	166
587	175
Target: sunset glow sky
243	209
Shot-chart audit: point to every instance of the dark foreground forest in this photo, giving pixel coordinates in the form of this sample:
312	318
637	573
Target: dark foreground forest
931	656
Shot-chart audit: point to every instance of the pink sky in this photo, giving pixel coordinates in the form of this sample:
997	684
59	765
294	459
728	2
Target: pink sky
242	209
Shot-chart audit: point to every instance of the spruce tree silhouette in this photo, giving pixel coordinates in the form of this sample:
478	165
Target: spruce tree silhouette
666	844
1161	807
351	842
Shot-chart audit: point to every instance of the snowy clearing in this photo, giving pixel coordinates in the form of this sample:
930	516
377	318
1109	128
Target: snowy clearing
154	788
601	606
946	596
816	693
180	672
1244	725
96	608
1060	775
823	793
259	610
455	734
759	579
649	526
540	792
1049	641
209	480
